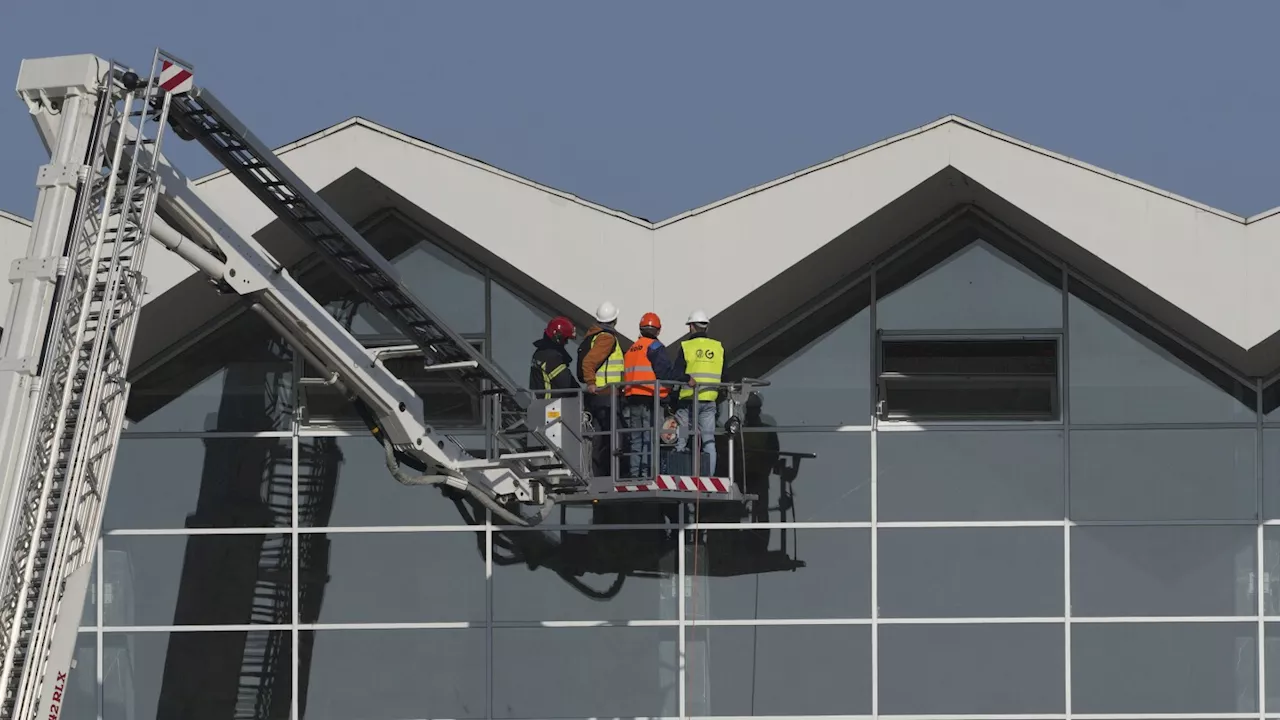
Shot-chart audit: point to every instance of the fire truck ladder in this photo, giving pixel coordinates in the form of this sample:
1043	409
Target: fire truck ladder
55	520
198	114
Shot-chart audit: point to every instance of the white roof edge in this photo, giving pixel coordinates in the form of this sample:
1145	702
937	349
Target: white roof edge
15	218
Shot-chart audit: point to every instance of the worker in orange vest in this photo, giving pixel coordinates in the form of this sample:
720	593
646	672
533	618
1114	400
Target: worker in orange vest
645	361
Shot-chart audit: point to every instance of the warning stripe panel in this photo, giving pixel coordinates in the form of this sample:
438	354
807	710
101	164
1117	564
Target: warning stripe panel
683	483
175	79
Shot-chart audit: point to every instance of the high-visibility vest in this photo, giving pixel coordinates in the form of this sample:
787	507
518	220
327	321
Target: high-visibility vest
704	363
637	368
548	376
610	371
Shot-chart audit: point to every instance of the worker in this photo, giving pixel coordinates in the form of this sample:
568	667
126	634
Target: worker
644	362
699	359
600	370
551	366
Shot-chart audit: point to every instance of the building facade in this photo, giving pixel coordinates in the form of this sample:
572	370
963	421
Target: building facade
1020	445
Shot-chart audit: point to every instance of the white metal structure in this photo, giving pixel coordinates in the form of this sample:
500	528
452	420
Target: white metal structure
107	190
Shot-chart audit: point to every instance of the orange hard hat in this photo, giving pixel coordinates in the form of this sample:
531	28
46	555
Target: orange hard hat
651	320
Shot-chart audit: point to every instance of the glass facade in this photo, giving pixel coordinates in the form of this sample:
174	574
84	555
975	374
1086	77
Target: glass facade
1115	561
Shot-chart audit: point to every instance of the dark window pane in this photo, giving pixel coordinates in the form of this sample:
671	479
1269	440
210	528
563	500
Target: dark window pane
1163	475
596	672
611	575
1272	645
80	696
819	369
754	574
974	287
1271	473
392	674
967	379
814	476
348	484
238	378
971	572
202	579
1164	668
197	675
222	482
1181	570
400	577
784	671
1121	375
970	475
962	669
516	325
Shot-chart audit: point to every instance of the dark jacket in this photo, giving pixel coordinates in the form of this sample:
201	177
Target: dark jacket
550	354
678	366
661	362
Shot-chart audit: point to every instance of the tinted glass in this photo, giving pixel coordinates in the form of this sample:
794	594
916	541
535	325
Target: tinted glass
222	482
238	378
1271	473
969	379
971	572
402	577
80	694
970	475
1163	474
1121	375
1185	668
196	674
955	669
819	369
201	579
1178	570
783	671
516	325
1272	644
597	672
585	575
453	290
391	674
816	476
752	574
977	287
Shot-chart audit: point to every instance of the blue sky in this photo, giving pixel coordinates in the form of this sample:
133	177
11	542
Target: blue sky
654	107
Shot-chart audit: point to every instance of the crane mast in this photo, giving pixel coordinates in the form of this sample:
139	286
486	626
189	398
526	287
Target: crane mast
106	193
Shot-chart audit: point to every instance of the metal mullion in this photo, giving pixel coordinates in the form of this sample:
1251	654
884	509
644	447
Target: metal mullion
1260	553
875	498
296	591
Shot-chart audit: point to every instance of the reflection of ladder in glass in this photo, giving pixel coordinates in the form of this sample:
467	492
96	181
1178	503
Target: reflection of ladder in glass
200	115
48	551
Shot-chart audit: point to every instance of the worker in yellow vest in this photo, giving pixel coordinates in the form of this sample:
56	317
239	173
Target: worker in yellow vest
600	370
700	359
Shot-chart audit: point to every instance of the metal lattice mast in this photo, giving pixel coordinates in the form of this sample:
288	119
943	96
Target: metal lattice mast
82	394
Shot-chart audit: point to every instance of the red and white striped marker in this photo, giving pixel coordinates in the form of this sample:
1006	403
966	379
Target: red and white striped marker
682	483
175	79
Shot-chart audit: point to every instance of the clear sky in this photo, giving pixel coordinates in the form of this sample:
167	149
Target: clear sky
654	107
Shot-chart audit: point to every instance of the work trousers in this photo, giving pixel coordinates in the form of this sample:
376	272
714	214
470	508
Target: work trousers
602	445
639	415
706	429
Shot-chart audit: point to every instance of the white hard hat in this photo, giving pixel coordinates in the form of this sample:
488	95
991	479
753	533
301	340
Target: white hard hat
607	312
698	317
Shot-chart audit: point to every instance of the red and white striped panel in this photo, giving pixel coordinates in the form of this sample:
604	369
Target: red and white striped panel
175	79
683	483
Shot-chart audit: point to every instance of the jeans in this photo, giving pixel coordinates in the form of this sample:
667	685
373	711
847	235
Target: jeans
706	429
639	414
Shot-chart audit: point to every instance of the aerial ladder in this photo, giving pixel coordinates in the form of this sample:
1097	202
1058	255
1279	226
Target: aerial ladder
107	192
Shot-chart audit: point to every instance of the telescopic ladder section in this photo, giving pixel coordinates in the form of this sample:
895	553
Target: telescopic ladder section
200	115
82	394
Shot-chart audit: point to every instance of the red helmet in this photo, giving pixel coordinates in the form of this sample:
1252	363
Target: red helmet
560	328
651	320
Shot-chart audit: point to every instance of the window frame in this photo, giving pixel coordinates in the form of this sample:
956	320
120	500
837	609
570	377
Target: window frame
879	379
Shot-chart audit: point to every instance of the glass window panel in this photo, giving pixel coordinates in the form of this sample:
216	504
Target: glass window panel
1121	375
89	611
79	697
611	575
970	572
597	672
195	674
1177	570
782	671
1271	473
516	325
1185	668
1163	475
1272	645
970	669
976	288
970	475
393	674
350	485
753	574
206	482
1271	570
201	579
238	378
819	369
401	577
813	476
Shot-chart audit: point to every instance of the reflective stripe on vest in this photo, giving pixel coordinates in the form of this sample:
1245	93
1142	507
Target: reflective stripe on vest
637	368
610	371
704	362
547	377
